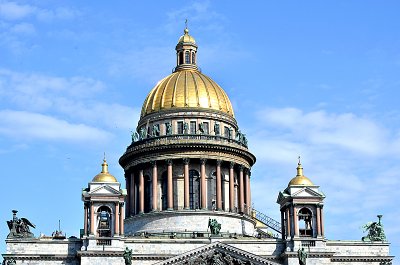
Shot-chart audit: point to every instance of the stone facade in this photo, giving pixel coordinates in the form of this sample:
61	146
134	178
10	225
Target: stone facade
187	196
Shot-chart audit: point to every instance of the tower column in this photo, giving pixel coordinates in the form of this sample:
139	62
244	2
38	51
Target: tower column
283	223
248	196
219	188
231	188
288	223
154	182
169	186
91	218
85	221
322	221
141	191
318	220
186	200
241	190
121	218
128	190
203	183
132	195
296	222
116	219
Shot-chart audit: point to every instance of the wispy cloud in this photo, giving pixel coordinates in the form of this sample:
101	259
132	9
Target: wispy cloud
68	105
349	156
10	10
27	125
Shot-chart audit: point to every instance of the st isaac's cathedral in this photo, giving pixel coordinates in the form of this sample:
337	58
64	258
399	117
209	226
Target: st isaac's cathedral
187	196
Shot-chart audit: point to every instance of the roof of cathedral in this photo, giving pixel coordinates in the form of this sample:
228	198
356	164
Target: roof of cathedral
300	179
186	37
104	175
187	89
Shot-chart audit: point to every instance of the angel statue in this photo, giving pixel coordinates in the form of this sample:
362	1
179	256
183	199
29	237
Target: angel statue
19	227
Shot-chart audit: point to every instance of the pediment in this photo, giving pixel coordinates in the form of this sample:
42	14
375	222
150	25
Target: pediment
105	190
307	192
219	254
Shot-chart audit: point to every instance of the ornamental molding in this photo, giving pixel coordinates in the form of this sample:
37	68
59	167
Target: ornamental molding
219	254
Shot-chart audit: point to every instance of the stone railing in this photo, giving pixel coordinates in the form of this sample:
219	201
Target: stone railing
185	139
103	242
308	243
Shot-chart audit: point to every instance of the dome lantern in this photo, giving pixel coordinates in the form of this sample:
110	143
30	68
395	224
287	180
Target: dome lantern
186	52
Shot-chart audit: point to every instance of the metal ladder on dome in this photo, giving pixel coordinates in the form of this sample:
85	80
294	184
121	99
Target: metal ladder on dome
268	221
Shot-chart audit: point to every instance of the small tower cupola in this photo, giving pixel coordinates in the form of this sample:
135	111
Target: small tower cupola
301	205
186	52
103	202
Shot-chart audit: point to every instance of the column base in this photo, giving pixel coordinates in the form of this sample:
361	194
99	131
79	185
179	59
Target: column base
170	209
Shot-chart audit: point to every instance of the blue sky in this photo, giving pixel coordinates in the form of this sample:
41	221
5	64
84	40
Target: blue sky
312	78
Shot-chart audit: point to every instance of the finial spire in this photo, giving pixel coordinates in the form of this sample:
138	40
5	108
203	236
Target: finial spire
299	168
186	30
104	166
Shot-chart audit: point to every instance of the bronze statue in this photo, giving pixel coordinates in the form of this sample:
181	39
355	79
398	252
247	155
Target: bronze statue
169	128
302	254
216	128
156	130
214	226
19	227
128	256
375	231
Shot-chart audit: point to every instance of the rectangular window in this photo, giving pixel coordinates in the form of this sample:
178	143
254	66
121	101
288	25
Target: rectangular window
180	127
226	131
192	127
206	129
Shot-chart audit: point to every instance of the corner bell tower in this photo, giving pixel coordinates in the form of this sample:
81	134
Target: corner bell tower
103	209
301	205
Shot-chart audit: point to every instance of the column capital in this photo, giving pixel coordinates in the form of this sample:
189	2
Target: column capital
186	161
203	161
153	163
241	168
168	161
219	162
231	164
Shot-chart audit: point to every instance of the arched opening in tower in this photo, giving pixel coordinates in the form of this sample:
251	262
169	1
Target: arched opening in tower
104	221
305	222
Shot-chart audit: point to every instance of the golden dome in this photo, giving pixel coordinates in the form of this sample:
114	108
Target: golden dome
300	179
186	37
187	88
104	176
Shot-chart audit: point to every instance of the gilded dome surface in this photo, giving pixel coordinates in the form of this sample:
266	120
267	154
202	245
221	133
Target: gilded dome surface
300	180
187	89
104	175
186	37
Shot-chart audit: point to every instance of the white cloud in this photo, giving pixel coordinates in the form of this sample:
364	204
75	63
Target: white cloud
28	125
13	10
345	130
23	28
349	156
81	99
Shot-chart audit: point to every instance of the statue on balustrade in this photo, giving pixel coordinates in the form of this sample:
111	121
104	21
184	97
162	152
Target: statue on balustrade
128	256
19	227
214	226
302	254
168	126
216	129
375	231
